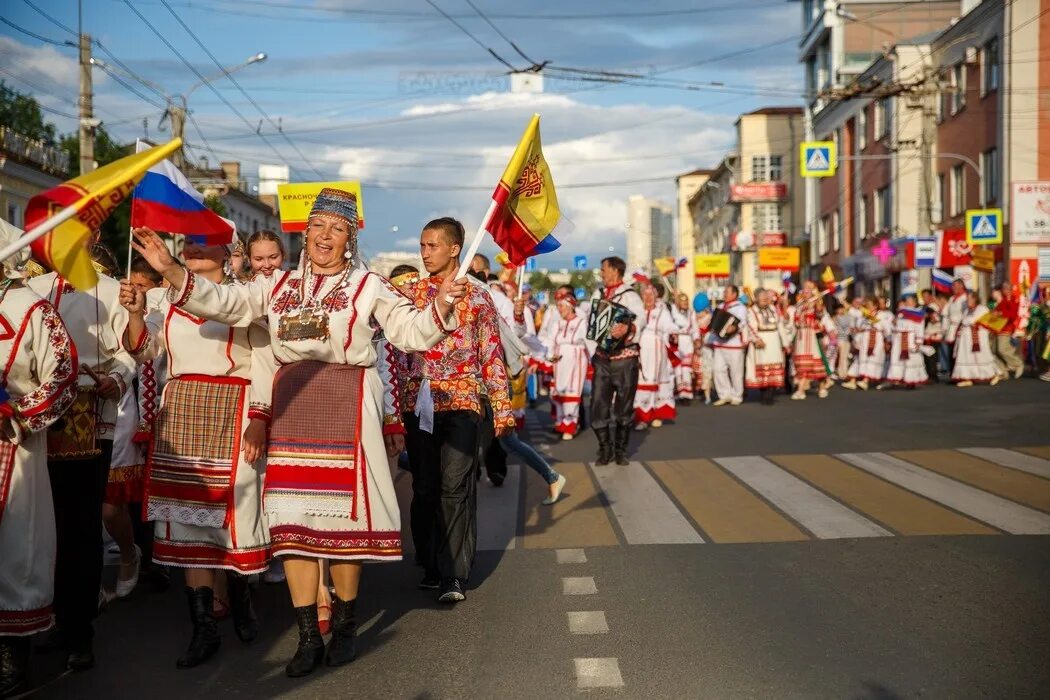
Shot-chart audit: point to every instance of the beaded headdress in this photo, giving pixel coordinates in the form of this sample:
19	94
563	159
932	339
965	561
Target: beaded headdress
334	202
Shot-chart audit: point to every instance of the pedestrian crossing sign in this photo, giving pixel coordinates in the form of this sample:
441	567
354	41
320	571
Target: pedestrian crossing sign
984	226
818	158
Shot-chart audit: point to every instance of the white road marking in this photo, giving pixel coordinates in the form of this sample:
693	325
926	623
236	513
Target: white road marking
644	511
578	585
591	622
597	673
498	512
570	556
998	512
1009	458
823	516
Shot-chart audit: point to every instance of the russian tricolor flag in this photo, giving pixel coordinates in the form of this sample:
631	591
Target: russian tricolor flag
942	281
164	200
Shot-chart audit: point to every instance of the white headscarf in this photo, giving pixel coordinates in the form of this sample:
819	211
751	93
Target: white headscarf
13	265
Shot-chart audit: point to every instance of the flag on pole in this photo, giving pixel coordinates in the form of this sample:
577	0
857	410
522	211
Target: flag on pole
94	196
164	200
828	277
942	281
641	278
664	266
910	314
526	205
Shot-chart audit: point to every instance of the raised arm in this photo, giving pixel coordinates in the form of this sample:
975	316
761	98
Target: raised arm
405	326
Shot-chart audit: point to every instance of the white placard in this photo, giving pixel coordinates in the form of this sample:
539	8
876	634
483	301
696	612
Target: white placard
1030	212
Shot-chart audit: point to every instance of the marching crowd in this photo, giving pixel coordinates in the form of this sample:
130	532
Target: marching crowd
227	417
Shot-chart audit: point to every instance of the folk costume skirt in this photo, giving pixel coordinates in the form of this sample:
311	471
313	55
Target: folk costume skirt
328	490
202	495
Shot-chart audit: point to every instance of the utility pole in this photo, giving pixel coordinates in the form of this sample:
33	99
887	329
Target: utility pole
87	117
177	117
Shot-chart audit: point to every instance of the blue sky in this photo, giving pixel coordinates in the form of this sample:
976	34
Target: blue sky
394	94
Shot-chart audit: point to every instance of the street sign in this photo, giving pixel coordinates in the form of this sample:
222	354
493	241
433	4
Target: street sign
984	226
530	265
716	265
925	252
580	293
1043	264
818	158
579	262
779	259
983	260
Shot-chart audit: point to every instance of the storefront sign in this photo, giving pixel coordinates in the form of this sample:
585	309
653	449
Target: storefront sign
1030	212
773	240
758	192
954	249
1024	272
716	265
983	260
1043	264
925	255
778	259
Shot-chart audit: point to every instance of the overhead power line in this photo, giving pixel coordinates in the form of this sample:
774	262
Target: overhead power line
34	35
473	38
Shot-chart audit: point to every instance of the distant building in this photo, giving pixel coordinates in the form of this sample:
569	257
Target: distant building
383	263
686	185
650	232
27	168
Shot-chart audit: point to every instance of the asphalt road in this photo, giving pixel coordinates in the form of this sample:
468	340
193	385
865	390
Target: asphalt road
809	569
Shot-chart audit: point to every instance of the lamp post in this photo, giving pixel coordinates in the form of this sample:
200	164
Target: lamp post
178	104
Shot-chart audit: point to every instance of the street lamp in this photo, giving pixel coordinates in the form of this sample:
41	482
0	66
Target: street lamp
176	113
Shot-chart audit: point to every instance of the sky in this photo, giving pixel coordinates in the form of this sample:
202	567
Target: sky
397	95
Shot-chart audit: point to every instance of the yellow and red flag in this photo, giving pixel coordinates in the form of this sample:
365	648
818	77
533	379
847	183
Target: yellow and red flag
94	195
525	205
664	266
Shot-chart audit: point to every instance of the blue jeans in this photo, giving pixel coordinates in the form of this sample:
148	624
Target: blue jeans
512	444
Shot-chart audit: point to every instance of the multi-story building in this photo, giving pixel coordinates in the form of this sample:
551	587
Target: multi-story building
686	185
27	168
753	199
650	232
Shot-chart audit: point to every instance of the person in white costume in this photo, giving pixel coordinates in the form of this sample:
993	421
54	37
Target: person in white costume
654	400
728	371
39	377
335	501
567	352
869	340
684	347
907	366
974	359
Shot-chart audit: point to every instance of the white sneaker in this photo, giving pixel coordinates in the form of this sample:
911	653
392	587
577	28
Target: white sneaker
823	394
656	423
721	402
863	385
798	396
566	436
851	385
966	383
126	586
1019	372
735	402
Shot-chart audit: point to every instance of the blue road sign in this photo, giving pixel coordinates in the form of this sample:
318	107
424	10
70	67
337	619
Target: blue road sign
530	265
579	262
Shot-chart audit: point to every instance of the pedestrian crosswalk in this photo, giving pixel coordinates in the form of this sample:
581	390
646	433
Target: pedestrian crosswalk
769	498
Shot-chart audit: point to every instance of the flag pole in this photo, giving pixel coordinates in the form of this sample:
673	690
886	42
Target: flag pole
521	279
464	265
38	232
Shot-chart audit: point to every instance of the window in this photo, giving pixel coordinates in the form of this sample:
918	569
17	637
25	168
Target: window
767	168
990	67
883	206
836	233
989	177
862	129
958	191
862	218
822	235
883	118
765	218
940	198
14	215
957	88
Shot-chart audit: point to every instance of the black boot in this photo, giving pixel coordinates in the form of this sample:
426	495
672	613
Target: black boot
205	640
310	652
245	624
342	649
14	666
623	434
604	447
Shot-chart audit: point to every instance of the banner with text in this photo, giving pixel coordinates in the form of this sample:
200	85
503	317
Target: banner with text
295	200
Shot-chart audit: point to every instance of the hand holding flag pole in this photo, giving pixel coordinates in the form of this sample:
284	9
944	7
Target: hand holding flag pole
524	208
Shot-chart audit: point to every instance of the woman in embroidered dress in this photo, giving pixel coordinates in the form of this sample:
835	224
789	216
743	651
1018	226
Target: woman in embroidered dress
907	366
204	472
806	354
39	379
328	490
770	331
567	352
654	400
974	359
869	339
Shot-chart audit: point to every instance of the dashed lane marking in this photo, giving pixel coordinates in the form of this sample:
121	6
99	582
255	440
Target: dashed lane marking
578	585
570	556
598	673
587	622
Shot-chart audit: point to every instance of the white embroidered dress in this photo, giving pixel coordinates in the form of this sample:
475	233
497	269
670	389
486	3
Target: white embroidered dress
568	343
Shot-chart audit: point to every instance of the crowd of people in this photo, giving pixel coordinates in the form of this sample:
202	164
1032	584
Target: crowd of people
226	416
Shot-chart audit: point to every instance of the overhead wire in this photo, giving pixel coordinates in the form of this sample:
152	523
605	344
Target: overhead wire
472	37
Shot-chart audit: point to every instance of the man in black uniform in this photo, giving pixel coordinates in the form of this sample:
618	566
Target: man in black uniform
616	371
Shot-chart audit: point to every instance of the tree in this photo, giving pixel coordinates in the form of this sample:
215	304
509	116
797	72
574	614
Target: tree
215	203
22	113
540	282
585	279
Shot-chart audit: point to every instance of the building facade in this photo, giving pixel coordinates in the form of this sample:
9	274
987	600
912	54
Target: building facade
650	232
27	168
687	185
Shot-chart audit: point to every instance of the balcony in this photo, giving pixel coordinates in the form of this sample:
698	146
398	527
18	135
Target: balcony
26	150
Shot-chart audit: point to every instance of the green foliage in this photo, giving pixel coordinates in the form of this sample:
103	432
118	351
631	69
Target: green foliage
215	203
540	282
22	113
585	279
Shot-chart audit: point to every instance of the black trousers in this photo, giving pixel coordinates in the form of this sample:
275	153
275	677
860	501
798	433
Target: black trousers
77	489
612	392
444	492
932	362
490	452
